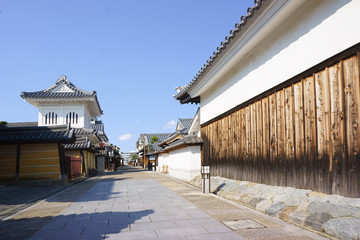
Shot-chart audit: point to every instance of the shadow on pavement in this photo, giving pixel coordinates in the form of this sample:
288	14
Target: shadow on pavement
92	225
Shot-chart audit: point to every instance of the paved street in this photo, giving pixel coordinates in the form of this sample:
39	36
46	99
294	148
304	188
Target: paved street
134	204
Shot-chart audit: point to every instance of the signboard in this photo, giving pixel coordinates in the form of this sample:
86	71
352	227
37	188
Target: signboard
152	158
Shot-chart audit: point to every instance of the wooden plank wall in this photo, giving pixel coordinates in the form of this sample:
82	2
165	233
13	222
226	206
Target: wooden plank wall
39	161
306	135
8	162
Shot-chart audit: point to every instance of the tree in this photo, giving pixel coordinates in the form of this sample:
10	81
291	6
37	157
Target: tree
134	157
154	139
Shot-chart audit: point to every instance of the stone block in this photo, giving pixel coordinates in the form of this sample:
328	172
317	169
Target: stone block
343	228
298	217
275	209
317	207
263	205
342	211
284	214
316	220
354	202
253	202
357	214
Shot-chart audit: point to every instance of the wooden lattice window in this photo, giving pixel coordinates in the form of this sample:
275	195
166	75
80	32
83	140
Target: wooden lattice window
72	117
50	118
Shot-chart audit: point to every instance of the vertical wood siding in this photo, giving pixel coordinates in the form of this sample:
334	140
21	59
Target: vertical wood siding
306	135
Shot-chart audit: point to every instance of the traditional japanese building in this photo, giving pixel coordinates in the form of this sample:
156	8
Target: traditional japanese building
62	104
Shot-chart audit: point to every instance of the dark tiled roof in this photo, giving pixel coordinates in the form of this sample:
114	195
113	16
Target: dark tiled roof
22	124
186	123
154	147
80	143
160	136
186	141
59	134
47	93
91	134
183	95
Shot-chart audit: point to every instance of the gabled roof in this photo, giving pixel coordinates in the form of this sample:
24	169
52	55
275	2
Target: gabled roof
57	134
147	137
185	123
160	136
82	143
183	95
62	89
190	140
91	134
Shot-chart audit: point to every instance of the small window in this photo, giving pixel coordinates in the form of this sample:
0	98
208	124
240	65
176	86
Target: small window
72	118
50	118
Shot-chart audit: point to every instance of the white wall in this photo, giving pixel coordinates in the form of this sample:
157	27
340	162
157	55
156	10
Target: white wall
185	163
61	111
162	161
299	35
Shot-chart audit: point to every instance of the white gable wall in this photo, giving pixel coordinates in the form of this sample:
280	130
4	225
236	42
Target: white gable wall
300	35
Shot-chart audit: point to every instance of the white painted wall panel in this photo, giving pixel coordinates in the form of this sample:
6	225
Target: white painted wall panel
301	35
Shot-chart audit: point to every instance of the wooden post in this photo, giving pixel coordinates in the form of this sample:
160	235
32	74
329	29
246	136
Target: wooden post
62	163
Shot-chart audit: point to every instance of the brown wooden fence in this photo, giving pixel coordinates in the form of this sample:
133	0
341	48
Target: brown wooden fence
305	135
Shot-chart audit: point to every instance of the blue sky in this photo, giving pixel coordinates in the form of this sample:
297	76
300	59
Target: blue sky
133	53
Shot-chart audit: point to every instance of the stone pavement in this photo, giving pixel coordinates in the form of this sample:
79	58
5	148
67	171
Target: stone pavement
14	197
133	204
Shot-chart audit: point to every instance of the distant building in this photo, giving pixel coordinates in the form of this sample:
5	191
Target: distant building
144	144
180	154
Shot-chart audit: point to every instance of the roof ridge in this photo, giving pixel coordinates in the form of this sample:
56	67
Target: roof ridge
182	95
65	80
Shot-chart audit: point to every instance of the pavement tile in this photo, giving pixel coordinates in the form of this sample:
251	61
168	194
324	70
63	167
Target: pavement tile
196	222
99	229
179	231
152	225
218	228
216	236
145	234
92	237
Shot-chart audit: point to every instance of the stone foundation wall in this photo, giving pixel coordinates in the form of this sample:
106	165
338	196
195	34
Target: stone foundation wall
334	215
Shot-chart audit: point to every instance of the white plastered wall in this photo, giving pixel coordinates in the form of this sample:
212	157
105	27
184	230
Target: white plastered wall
61	111
185	163
300	35
162	161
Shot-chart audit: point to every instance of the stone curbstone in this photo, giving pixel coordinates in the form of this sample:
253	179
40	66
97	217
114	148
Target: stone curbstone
318	211
343	228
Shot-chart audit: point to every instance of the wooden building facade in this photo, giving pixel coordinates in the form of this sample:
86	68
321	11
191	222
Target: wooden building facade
304	135
280	97
33	153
